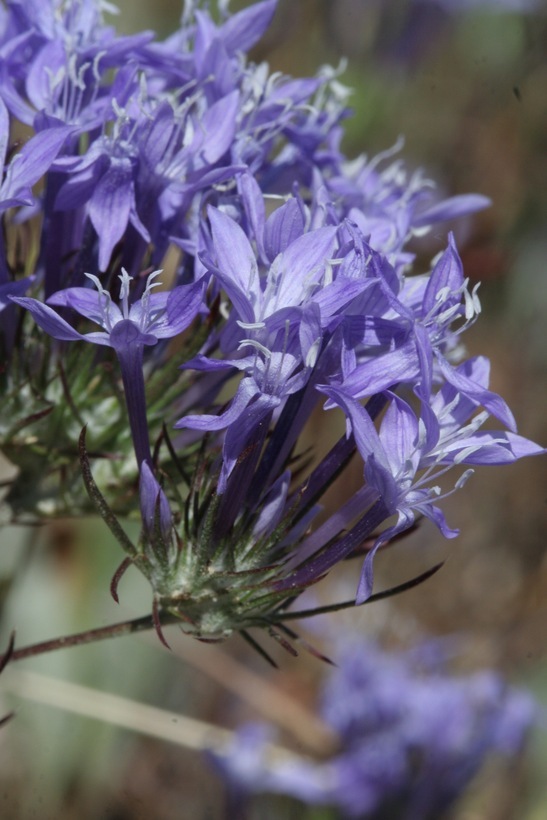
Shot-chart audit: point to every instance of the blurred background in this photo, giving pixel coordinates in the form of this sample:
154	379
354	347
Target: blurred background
465	83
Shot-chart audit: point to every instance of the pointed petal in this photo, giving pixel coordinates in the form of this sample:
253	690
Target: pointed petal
383	372
154	500
399	433
246	391
88	302
490	447
447	274
110	206
48	320
236	263
11	289
478	394
253	201
272	506
183	304
284	226
218	125
366	581
31	163
452	208
366	436
242	30
302	265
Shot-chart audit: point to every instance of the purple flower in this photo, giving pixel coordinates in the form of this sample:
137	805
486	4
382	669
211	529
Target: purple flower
141	145
280	316
320	310
418	334
156	156
55	60
411	740
127	329
390	204
405	459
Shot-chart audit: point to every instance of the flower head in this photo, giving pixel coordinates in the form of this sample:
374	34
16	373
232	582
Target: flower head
153	317
297	272
127	328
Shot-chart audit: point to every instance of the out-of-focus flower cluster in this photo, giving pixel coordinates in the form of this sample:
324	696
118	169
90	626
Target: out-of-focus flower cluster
411	737
287	285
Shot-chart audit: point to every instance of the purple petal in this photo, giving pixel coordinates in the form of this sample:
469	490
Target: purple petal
310	334
332	298
490	447
109	207
242	30
436	515
236	264
272	506
205	176
253	201
383	372
452	208
399	433
239	434
87	302
246	391
297	91
285	225
203	364
478	370
48	320
447	273
183	304
365	586
10	289
31	163
366	436
154	501
39	152
155	139
302	265
478	394
51	59
216	67
80	186
218	125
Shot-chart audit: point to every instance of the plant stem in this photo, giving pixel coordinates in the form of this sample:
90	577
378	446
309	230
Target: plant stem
89	636
133	715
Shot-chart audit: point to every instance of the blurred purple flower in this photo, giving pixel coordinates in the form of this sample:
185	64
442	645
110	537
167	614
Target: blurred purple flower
391	204
410	740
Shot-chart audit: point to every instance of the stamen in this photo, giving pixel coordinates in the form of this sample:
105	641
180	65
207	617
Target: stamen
125	280
257	345
105	302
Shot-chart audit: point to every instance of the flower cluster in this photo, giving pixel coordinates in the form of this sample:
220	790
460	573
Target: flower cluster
411	738
287	287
